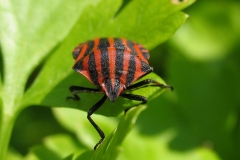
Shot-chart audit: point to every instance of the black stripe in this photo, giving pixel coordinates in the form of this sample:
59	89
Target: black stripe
144	51
131	70
92	69
145	67
78	66
119	63
90	47
77	51
103	43
108	85
119	57
130	45
105	62
116	86
118	44
112	92
146	55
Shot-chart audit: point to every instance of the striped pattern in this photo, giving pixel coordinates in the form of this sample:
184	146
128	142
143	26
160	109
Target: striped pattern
111	64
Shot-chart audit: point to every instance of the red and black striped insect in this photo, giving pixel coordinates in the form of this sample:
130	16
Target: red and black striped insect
113	65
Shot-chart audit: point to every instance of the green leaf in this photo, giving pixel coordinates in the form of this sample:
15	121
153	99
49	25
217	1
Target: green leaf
60	146
157	147
85	155
64	145
43	153
207	70
39	35
76	122
111	146
29	30
148	146
25	41
69	157
51	86
217	29
13	155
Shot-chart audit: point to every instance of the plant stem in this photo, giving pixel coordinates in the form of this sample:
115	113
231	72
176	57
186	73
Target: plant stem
6	125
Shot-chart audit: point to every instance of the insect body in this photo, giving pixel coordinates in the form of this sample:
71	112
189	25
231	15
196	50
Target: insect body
112	64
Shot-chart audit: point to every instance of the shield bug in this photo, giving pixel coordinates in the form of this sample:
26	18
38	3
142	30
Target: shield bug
112	65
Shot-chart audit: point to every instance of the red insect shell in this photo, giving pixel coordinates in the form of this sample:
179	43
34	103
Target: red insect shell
112	64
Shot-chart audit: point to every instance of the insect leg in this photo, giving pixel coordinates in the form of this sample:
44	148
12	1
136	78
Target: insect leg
134	97
78	89
146	83
90	112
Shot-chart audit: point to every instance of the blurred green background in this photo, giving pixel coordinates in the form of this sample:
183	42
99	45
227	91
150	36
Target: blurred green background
202	114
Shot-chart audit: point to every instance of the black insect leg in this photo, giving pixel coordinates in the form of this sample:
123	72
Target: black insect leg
146	83
90	112
78	89
134	97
